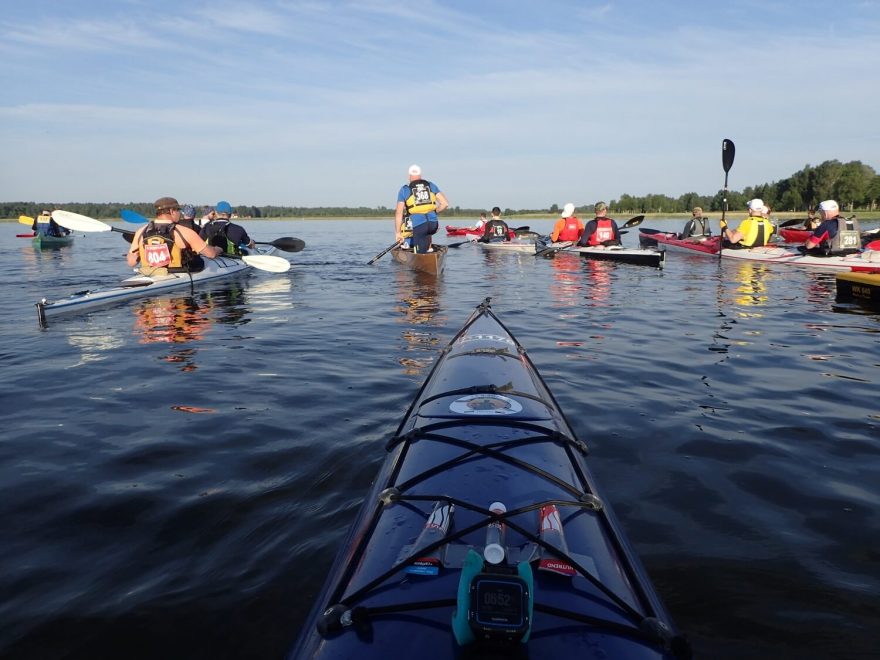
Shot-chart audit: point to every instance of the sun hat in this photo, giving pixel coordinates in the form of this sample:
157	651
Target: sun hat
755	204
829	205
568	211
166	203
223	207
415	170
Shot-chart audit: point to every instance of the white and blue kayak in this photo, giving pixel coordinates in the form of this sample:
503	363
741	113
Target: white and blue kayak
637	256
484	534
139	286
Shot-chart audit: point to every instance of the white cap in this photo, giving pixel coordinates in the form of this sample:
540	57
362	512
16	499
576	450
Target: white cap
415	170
568	211
755	204
829	205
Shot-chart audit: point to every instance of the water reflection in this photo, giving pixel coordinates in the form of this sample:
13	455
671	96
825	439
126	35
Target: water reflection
598	279
418	296
567	281
751	287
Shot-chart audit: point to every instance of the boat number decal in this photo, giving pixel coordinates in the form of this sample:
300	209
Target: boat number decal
485	404
495	338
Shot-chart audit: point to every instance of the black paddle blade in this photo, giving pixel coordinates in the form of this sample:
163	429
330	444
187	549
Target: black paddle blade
632	222
728	151
287	244
128	235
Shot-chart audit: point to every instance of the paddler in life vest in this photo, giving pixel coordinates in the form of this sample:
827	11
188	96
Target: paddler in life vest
226	235
162	247
600	230
697	226
481	222
754	231
496	229
835	235
46	226
569	227
418	202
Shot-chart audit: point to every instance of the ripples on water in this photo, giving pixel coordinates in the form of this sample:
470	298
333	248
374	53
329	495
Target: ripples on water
176	474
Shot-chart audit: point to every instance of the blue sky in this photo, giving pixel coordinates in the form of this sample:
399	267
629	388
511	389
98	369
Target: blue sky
519	104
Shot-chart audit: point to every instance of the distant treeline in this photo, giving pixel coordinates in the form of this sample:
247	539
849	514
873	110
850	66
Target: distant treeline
854	185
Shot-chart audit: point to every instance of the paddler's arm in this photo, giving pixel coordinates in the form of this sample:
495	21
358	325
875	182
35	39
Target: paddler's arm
442	202
398	220
133	255
196	243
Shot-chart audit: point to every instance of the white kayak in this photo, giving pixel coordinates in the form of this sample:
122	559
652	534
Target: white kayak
139	286
860	262
513	245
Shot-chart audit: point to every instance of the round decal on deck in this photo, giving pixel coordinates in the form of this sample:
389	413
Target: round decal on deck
485	404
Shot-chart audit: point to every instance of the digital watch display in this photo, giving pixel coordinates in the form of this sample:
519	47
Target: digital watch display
499	607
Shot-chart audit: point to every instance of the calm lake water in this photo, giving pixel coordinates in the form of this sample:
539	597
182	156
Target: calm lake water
176	474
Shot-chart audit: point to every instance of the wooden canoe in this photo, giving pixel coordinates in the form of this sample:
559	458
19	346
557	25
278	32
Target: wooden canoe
429	262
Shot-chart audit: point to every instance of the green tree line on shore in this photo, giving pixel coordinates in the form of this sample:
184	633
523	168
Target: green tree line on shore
854	185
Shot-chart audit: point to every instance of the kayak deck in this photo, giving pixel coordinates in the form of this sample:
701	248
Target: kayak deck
485	428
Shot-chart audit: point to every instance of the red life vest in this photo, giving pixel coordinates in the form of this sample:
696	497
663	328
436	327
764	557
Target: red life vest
604	231
571	231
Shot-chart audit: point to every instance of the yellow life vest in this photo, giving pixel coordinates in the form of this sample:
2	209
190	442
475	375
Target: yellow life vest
756	231
158	249
421	199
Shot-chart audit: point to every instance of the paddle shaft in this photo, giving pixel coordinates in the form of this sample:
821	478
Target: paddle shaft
383	252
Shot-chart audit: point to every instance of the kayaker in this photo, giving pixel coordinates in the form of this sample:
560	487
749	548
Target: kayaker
226	235
481	222
835	235
754	231
697	226
188	217
569	227
419	202
47	226
601	230
496	229
161	246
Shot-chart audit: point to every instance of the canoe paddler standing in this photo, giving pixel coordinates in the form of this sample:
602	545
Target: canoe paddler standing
418	203
162	247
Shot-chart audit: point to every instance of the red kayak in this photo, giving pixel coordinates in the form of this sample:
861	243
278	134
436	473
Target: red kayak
673	242
31	235
463	231
794	235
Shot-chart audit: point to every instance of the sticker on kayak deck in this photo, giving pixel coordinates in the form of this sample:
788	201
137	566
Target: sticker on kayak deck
495	338
485	404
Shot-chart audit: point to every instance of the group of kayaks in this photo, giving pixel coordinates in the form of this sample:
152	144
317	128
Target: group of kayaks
523	240
485	534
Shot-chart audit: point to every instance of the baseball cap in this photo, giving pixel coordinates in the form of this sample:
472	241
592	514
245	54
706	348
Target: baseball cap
568	211
415	170
164	203
187	211
223	207
755	204
829	205
601	206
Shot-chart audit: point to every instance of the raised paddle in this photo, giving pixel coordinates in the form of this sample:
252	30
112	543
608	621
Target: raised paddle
384	252
728	151
132	216
78	222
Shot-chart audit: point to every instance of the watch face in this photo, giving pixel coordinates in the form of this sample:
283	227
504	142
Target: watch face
499	603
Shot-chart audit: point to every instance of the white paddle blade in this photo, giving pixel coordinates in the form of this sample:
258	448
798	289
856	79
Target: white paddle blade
267	262
77	222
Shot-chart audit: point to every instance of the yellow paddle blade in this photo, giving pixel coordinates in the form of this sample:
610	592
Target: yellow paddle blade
26	220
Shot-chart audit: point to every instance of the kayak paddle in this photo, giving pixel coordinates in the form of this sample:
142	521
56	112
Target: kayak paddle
728	151
25	220
460	243
383	252
286	243
131	216
77	222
